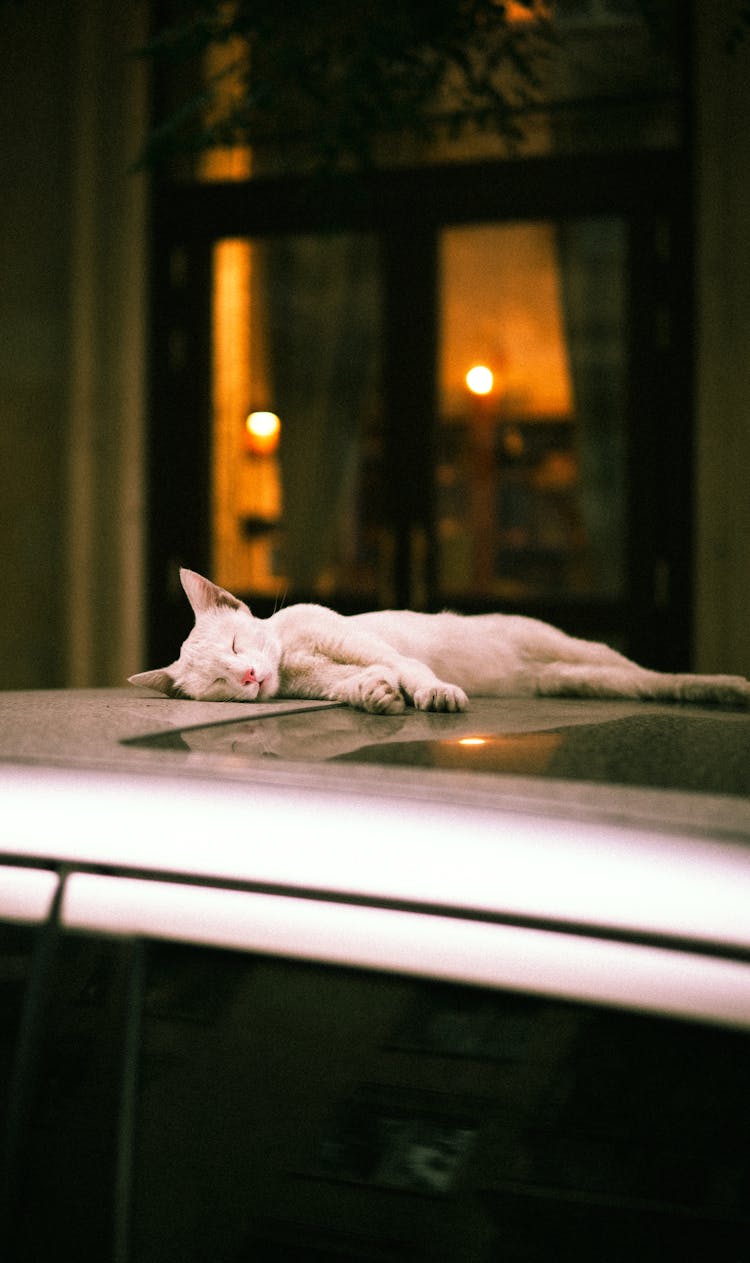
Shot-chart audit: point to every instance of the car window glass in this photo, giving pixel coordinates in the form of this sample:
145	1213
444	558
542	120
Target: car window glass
281	1109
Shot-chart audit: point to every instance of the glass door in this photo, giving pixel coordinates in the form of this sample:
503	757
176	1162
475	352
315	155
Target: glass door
297	429
526	439
530	473
427	422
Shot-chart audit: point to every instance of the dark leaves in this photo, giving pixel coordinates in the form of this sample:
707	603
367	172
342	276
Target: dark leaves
340	76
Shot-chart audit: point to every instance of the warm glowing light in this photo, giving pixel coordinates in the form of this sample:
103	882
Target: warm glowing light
472	741
262	429
262	424
480	379
522	11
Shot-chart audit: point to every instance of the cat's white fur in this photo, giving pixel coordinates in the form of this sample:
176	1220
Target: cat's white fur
379	662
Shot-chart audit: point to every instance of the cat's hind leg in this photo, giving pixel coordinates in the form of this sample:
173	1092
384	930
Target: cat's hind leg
562	679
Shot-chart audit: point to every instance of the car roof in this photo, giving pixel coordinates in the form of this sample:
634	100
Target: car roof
675	765
418	767
340	814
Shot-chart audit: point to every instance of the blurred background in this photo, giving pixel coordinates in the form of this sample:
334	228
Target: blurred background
497	362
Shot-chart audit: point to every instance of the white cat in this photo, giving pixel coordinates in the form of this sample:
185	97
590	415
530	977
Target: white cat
378	662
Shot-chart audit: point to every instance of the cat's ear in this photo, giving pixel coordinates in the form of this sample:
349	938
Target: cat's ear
162	680
204	595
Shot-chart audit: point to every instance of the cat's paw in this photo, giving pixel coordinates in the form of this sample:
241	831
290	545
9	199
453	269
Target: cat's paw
439	696
380	694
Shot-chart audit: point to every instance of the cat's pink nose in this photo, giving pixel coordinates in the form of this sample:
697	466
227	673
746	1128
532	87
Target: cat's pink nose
249	677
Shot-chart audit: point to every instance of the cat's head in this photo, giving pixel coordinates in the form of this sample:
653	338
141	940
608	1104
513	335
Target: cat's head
229	656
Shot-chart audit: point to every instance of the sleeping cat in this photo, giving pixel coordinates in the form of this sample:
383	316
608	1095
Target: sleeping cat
377	662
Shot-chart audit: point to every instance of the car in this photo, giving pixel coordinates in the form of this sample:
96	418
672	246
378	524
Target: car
286	980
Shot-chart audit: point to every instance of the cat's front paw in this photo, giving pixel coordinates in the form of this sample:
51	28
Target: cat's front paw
440	696
380	694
